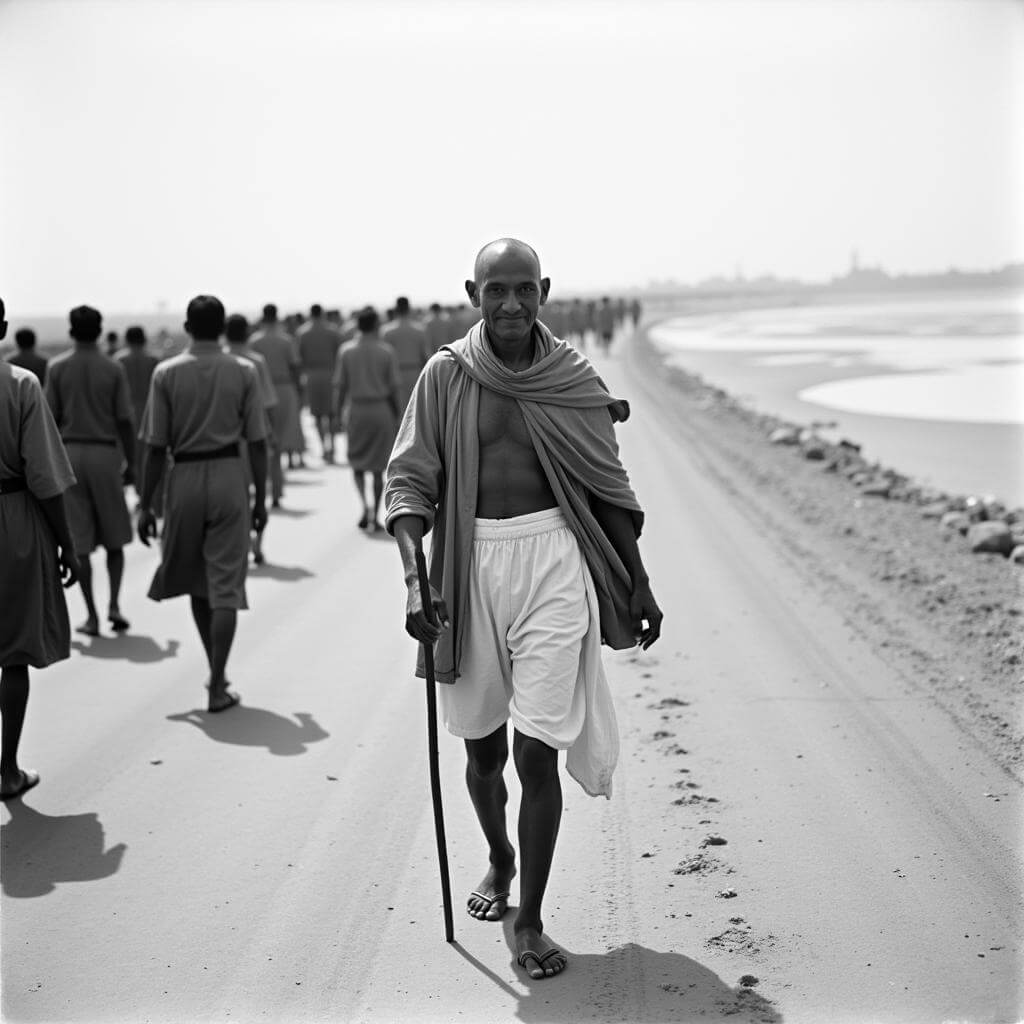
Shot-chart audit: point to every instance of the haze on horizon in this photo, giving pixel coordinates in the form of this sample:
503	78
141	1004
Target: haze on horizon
304	151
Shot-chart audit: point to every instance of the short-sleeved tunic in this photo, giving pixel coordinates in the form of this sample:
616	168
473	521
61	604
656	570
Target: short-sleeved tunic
412	346
367	384
34	627
199	402
88	395
318	349
278	348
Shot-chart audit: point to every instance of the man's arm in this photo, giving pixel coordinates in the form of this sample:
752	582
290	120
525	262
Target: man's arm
617	524
258	468
408	532
126	432
55	513
154	460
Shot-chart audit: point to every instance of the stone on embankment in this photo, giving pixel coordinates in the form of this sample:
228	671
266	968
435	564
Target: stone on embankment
815	449
876	487
784	435
990	538
958	521
934	510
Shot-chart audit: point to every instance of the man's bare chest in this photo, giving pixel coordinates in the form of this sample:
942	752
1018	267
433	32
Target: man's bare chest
500	421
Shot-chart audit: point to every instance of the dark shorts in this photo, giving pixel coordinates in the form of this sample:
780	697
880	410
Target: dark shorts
205	541
97	512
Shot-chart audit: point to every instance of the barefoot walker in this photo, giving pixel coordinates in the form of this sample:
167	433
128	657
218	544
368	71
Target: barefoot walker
507	452
202	404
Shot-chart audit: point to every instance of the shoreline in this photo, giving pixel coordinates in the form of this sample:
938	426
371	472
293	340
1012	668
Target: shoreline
893	558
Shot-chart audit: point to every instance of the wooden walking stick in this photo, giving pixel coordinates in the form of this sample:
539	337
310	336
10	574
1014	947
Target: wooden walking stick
435	771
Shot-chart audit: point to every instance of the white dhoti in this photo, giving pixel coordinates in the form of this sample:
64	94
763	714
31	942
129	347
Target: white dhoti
532	647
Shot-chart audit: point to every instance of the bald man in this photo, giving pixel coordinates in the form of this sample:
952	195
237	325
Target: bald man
507	453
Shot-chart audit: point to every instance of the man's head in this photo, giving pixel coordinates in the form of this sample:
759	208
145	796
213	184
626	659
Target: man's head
204	318
367	321
270	313
507	288
435	308
135	337
316	311
402	306
86	324
236	328
24	338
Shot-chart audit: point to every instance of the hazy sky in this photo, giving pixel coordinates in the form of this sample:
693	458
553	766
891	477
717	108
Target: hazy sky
347	152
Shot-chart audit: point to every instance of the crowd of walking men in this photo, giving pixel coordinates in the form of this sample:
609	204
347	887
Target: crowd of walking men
194	432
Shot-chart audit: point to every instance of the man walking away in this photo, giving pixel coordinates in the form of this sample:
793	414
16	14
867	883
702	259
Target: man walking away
319	342
36	555
367	395
88	395
409	340
202	404
27	357
138	364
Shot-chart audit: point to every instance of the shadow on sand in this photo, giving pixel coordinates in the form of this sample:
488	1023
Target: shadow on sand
291	513
630	983
128	647
247	726
40	851
284	573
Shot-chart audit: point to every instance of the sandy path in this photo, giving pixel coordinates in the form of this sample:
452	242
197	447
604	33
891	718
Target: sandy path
277	863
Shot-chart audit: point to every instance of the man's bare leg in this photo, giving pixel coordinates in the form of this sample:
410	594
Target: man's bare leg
201	616
540	814
13	702
485	762
276	475
216	628
378	493
115	573
359	476
91	626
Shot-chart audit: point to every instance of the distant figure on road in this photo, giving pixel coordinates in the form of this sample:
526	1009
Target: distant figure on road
88	395
437	328
37	554
278	348
138	365
409	340
112	343
367	395
27	357
236	335
319	341
507	452
202	404
605	318
576	325
635	311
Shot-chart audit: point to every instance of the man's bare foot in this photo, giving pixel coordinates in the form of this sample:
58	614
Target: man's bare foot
91	627
490	900
118	623
222	699
538	957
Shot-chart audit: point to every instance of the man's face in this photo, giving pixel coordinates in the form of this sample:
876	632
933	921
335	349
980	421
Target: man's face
509	293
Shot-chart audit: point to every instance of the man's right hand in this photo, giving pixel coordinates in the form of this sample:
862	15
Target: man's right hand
146	526
69	568
259	516
416	623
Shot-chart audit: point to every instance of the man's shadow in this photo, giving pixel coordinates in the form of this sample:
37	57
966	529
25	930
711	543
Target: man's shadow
128	647
283	573
248	726
664	987
40	850
291	513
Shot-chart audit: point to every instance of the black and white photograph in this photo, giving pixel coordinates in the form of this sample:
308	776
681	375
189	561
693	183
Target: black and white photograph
512	511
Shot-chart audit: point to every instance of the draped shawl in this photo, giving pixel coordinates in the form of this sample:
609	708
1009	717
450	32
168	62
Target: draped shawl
433	469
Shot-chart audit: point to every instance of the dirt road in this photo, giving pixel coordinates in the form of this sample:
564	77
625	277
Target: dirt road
276	863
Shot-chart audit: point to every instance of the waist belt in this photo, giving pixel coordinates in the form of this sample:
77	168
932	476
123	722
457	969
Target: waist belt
10	484
105	442
229	451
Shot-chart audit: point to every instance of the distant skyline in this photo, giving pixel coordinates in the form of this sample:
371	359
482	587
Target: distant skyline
348	152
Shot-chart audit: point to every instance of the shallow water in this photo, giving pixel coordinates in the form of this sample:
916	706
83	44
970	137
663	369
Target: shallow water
931	385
